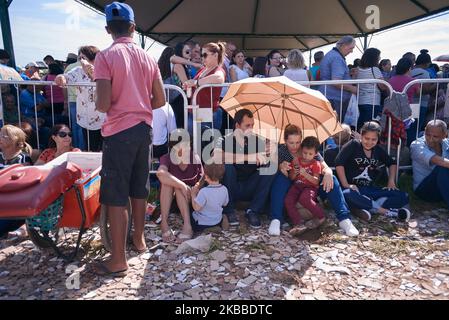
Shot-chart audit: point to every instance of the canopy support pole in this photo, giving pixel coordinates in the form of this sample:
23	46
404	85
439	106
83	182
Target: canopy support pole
142	41
310	59
365	42
6	31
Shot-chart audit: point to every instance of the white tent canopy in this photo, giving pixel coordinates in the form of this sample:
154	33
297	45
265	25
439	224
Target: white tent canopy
258	26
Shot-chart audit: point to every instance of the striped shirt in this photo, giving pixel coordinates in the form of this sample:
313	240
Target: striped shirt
369	93
21	158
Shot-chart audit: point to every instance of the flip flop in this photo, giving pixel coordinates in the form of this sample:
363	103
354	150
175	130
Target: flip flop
101	270
314	223
20	233
168	236
134	248
183	237
296	231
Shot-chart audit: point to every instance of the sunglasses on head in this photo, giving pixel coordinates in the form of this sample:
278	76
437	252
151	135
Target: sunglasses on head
63	134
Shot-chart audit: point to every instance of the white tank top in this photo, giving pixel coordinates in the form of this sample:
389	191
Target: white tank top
241	74
296	74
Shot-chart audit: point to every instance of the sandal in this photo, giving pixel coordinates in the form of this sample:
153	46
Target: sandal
134	248
20	233
183	237
314	223
168	236
100	269
296	231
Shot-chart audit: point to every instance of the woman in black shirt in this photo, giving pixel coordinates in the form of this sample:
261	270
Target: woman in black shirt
358	165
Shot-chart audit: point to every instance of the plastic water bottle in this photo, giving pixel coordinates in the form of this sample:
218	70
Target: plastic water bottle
189	92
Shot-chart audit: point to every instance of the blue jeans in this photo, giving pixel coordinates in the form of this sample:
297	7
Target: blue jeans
281	186
366	113
366	199
255	189
77	130
217	119
434	187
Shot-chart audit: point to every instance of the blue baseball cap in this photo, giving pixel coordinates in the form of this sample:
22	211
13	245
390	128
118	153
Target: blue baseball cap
118	11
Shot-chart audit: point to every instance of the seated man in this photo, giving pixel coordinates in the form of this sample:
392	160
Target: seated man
430	161
340	139
30	108
244	154
28	103
10	112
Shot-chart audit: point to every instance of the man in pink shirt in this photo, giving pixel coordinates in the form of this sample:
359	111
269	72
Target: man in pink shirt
129	87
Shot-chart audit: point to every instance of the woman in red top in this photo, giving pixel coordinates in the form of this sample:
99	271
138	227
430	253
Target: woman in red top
212	73
60	142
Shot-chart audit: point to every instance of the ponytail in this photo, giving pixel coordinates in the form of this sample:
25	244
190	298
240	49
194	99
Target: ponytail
221	51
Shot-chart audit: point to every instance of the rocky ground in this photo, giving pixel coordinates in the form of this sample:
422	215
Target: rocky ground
389	260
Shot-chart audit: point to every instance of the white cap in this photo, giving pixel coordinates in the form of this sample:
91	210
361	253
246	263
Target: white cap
31	64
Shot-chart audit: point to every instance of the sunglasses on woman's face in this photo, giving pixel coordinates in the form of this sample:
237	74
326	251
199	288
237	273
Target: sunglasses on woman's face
63	134
205	54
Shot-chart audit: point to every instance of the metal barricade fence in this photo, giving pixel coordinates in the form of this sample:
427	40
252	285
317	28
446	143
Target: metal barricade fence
34	88
194	107
426	93
167	89
422	104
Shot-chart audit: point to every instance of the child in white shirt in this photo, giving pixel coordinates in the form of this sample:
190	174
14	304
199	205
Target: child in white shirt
208	202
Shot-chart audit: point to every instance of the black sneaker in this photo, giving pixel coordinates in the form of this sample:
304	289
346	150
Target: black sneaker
404	214
362	214
253	219
232	219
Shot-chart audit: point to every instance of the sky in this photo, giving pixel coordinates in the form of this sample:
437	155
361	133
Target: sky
57	27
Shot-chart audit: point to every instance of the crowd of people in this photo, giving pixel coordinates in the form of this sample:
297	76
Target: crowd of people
127	111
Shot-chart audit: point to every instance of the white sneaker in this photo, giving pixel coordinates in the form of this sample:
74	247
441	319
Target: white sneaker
275	228
349	228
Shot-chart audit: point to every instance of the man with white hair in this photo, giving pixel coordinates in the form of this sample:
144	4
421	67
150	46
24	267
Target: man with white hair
430	161
334	67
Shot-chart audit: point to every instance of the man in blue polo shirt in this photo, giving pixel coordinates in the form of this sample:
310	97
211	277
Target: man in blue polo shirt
430	160
334	67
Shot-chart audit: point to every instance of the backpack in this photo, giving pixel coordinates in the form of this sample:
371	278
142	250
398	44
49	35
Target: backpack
398	109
